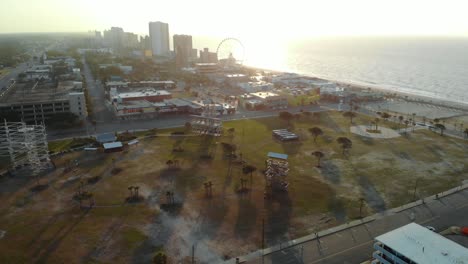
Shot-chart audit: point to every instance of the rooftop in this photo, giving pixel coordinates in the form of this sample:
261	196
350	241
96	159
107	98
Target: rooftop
264	95
112	145
31	93
422	245
144	93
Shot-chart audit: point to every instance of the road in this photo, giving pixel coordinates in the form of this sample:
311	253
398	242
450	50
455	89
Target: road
5	80
354	245
167	121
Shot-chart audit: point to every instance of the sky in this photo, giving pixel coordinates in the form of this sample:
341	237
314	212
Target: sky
246	19
265	27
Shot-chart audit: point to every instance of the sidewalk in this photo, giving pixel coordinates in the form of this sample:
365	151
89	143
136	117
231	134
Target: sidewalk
352	242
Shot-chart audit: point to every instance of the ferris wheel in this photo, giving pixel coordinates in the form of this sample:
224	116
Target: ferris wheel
231	51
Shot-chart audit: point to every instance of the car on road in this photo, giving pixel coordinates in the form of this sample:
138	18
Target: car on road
431	228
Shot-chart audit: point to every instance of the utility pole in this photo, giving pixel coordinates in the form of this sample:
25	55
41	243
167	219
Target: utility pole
360	207
193	254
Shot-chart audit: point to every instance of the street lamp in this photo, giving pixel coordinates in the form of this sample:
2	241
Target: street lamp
415	187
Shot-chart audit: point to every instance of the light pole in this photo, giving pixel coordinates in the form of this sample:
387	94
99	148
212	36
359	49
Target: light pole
415	187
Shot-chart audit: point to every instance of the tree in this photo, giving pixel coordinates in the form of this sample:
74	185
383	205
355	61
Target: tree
169	163
441	128
286	116
188	126
160	258
376	121
400	119
319	155
345	143
249	169
466	132
315	131
349	115
307	114
406	125
385	116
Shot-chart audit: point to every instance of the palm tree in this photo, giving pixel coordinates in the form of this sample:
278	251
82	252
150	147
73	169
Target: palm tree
345	143
376	120
319	155
406	125
441	127
316	131
350	115
169	163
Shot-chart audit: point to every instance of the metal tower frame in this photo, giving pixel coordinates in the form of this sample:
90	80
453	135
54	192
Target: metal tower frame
25	145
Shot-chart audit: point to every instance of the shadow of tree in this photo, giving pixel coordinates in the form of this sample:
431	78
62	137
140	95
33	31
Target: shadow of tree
371	195
278	210
246	218
337	207
330	171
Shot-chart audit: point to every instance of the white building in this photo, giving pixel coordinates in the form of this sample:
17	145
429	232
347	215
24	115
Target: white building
159	35
78	104
413	243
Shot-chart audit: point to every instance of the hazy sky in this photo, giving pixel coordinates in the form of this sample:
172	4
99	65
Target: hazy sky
272	19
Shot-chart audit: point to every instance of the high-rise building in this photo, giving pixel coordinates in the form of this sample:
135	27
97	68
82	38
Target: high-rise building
130	40
159	35
114	38
183	50
208	57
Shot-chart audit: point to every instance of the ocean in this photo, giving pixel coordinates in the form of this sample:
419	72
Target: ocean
425	66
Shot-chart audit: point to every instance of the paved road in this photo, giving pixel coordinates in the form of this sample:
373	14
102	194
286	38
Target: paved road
354	245
5	80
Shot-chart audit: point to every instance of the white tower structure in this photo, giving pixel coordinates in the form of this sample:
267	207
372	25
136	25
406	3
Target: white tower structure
25	145
159	35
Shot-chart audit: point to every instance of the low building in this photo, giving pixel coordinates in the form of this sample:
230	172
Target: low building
164	85
270	100
35	103
113	147
413	243
252	87
207	68
150	95
147	109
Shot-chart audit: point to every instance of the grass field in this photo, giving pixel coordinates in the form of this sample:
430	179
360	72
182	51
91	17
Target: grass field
49	227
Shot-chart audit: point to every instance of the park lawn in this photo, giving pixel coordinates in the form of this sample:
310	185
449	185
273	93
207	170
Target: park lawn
62	145
382	171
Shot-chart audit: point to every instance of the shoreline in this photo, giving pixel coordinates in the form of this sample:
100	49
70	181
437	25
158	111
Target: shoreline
399	91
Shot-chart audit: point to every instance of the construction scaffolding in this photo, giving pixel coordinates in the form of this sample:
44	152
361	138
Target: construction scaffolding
277	168
25	145
205	125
